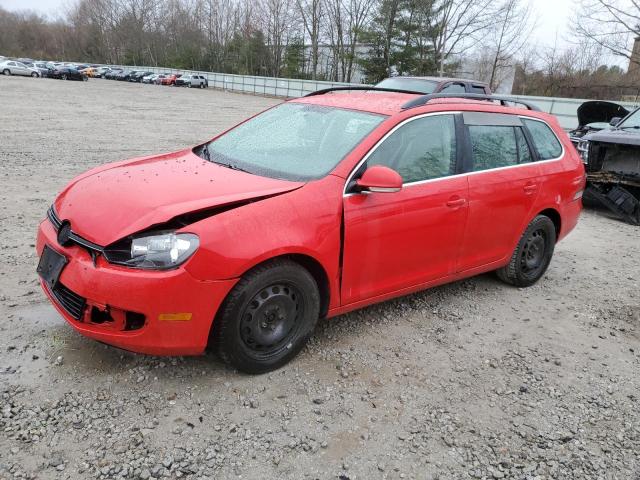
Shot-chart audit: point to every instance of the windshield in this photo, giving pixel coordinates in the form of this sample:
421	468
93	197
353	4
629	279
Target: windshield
632	121
293	141
413	84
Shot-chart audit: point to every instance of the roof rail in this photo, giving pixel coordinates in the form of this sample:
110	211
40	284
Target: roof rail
362	88
424	99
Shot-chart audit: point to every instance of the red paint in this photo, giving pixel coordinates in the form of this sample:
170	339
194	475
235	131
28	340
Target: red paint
390	243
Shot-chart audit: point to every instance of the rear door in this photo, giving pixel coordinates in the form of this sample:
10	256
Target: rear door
503	186
399	240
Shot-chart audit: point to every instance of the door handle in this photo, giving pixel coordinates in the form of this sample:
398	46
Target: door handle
455	202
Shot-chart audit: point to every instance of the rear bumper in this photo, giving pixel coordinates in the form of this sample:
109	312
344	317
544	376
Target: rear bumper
118	294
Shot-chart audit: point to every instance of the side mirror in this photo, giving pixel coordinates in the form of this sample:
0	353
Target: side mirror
380	179
615	121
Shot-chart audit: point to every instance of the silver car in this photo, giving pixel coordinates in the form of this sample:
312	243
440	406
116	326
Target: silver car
192	80
11	67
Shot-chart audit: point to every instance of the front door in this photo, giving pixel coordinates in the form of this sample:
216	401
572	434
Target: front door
399	240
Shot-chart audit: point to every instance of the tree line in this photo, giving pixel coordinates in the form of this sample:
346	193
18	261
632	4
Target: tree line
330	39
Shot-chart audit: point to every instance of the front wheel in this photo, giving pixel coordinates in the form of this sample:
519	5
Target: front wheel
6	71
34	75
533	254
64	76
268	317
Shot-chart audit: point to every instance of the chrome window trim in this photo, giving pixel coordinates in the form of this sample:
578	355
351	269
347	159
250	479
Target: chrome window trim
421	182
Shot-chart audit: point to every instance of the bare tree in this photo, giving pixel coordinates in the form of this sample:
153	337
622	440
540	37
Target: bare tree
511	33
457	26
612	24
277	15
312	14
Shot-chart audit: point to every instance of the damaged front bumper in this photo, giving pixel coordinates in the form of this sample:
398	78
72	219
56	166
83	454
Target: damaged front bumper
154	312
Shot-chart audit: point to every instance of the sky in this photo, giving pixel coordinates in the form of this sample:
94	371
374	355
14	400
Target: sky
554	16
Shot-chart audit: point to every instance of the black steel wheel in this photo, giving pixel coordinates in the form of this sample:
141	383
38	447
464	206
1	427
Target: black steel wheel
532	256
268	317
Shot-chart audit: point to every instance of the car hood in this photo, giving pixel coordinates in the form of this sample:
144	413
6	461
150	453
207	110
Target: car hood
599	112
615	135
110	202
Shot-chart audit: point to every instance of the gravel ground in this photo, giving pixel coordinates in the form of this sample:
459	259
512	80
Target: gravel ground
470	380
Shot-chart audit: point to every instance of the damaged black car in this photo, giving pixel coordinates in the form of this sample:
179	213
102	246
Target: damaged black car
612	160
596	115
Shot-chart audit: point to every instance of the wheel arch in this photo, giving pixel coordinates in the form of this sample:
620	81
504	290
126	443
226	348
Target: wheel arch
309	263
555	217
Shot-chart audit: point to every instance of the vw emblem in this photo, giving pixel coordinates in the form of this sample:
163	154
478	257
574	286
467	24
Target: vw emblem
63	233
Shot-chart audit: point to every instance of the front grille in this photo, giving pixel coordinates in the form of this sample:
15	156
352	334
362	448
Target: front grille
73	303
73	237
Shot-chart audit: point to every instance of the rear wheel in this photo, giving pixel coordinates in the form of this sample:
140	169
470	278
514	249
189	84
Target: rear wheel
6	71
64	76
533	254
34	75
268	317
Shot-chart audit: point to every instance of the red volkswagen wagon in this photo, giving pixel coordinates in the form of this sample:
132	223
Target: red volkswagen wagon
313	208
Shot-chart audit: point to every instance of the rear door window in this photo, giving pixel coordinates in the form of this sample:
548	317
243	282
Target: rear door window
544	140
477	89
493	146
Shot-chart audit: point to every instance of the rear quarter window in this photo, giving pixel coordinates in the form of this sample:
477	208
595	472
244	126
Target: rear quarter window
544	140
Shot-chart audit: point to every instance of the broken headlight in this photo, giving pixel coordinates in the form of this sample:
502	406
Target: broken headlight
159	251
583	150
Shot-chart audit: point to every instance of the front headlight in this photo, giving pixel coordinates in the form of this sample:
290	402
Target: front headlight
583	150
159	251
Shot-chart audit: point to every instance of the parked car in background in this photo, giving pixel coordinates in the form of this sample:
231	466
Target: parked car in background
192	81
13	67
67	73
149	78
170	79
112	73
125	75
101	71
42	68
159	78
596	115
612	159
435	85
313	208
138	76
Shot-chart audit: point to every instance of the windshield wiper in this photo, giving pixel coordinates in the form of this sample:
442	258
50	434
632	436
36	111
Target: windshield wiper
232	167
637	127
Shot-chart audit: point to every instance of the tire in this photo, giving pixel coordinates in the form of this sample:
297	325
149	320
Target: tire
85	79
190	85
6	71
63	76
267	318
532	256
35	75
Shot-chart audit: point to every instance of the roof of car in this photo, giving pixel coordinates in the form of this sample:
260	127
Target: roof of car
385	103
444	79
390	103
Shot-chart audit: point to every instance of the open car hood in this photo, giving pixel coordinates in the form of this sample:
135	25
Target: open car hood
110	202
599	112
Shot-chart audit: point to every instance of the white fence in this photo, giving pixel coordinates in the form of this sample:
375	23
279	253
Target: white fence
563	108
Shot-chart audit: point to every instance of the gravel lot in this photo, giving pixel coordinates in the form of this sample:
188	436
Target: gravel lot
470	380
